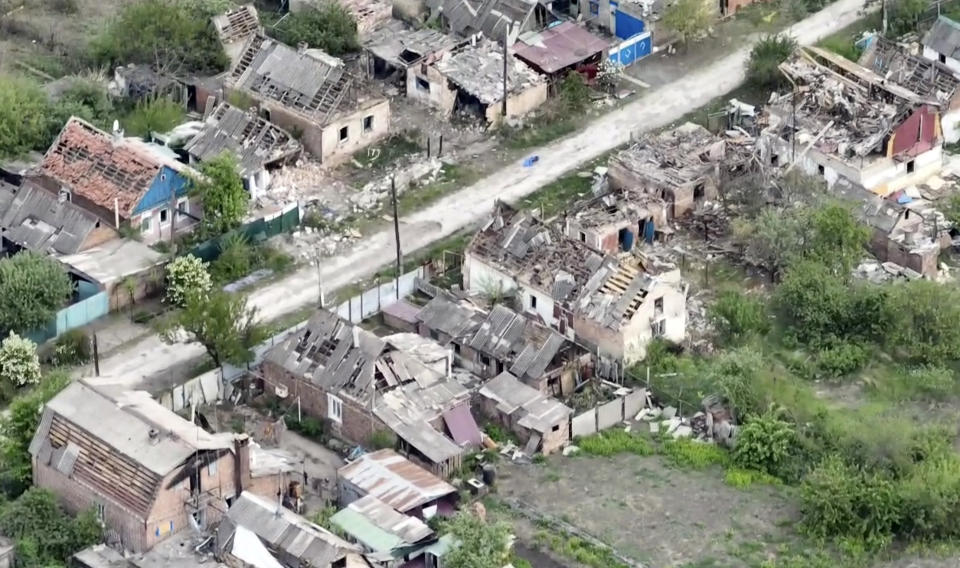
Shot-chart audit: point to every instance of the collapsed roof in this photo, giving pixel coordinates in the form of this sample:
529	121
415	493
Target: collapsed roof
478	70
533	409
306	81
670	159
928	79
402	46
237	24
494	18
255	142
944	37
615	292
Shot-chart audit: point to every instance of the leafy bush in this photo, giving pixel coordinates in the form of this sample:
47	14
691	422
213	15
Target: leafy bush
574	92
174	35
329	27
736	315
32	288
19	364
186	275
222	195
24	116
72	348
613	442
497	433
764	444
767	54
694	455
381	439
841	359
309	426
154	115
926	321
931	500
235	260
45	535
839	500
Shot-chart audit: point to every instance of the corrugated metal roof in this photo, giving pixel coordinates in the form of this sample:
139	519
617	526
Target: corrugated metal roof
462	426
944	37
559	47
379	527
449	317
395	480
538	412
284	530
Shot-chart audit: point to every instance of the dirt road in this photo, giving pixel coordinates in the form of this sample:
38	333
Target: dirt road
656	108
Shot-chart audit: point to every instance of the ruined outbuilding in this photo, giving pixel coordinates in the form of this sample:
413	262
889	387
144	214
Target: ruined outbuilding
470	81
308	91
681	166
257	145
845	121
617	221
234	27
396	51
560	49
370	15
942	44
497	20
541	423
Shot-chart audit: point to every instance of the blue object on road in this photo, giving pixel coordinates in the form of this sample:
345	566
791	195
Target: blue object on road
531	161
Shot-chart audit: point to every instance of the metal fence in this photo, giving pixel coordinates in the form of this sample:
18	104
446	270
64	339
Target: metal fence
608	414
204	389
73	316
257	231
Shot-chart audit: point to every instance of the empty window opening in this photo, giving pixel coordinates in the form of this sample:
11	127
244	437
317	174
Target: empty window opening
368	123
163	216
774	160
699	190
821	170
422	84
344	134
583	237
943	58
658	305
911	166
533	301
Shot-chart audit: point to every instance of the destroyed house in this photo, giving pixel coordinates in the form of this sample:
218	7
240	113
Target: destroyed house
681	166
488	344
257	145
307	91
907	231
497	20
617	221
942	44
397	49
622	308
119	180
562	49
928	79
388	535
234	27
146	471
369	15
516	254
291	539
851	123
38	219
362	386
397	482
541	423
469	81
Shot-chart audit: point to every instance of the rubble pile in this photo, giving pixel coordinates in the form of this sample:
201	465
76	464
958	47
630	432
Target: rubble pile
712	424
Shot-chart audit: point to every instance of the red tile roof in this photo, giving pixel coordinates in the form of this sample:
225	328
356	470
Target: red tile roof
96	166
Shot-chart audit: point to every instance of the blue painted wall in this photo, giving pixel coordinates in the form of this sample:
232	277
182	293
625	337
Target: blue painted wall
159	192
628	26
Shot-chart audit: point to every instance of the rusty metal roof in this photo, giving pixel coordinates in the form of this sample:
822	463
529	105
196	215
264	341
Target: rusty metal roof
558	47
395	480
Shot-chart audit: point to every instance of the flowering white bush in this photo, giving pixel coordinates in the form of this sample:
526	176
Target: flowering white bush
186	274
19	363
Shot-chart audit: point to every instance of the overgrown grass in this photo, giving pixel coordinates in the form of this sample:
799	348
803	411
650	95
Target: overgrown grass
843	42
694	455
558	195
744	478
389	151
578	549
550	126
613	442
452	177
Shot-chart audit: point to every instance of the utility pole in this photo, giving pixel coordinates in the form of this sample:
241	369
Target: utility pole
504	110
96	356
883	8
321	298
173	212
396	231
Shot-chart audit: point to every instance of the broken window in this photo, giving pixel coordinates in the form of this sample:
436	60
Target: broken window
821	170
533	302
344	134
485	361
334	408
212	468
556	428
368	123
422	84
659	328
658	306
774	160
456	348
910	167
183	207
164	216
145	224
943	58
583	237
101	511
698	191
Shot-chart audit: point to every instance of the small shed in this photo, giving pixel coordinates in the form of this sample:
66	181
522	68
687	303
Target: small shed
540	422
396	481
560	49
401	316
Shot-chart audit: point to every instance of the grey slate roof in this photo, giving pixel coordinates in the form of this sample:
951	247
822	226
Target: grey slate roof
36	219
536	410
255	142
287	532
944	37
491	17
402	46
509	336
450	317
311	82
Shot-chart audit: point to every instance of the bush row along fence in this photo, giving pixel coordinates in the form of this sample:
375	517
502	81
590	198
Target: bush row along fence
285	220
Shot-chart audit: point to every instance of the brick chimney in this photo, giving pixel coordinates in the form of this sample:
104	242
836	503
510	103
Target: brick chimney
241	473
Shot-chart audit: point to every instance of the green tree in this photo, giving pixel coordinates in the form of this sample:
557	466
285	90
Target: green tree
763	66
839	240
19	363
24	116
85	98
186	275
904	16
169	35
574	93
154	115
329	27
764	444
221	192
45	535
32	288
481	544
16	432
776	238
688	18
235	260
735	315
926	321
222	323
